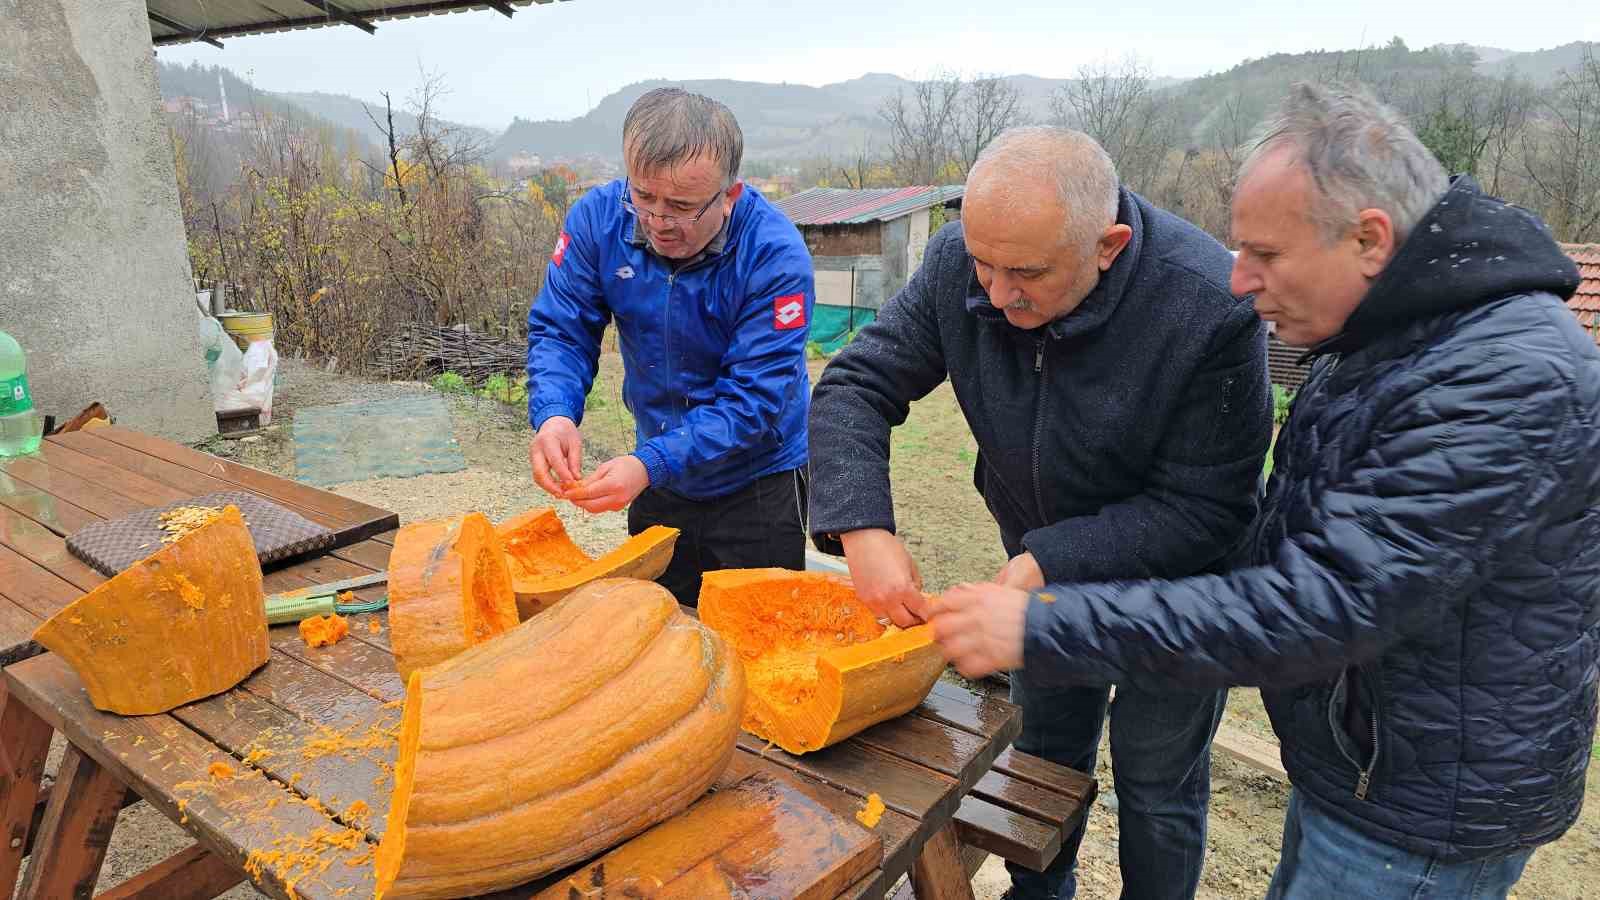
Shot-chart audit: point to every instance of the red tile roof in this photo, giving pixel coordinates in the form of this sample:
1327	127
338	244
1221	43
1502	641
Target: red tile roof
1585	304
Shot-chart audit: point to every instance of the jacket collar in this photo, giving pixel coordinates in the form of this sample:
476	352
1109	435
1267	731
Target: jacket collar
634	235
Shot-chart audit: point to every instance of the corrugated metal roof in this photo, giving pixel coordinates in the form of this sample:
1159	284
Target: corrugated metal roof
182	21
842	206
1585	304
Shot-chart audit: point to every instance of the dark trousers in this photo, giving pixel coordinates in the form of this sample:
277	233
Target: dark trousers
1161	763
757	526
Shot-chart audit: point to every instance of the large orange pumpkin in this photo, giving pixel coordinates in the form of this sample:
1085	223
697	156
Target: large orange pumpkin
449	589
573	732
184	623
547	566
819	664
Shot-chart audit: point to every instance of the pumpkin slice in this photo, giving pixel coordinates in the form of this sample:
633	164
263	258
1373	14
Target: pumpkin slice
547	566
449	589
186	622
820	665
571	733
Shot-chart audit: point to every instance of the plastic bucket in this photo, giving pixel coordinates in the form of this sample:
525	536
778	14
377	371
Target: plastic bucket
245	327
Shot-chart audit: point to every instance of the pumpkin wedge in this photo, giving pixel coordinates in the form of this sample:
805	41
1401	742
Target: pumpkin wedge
547	566
820	667
449	589
572	732
186	622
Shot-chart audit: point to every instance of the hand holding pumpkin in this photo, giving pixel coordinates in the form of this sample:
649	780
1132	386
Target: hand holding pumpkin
556	455
612	486
884	575
980	627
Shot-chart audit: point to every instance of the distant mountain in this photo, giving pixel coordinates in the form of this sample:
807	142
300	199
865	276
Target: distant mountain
353	114
1541	66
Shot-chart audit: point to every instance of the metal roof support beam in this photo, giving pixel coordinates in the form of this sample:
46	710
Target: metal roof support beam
502	8
343	15
159	19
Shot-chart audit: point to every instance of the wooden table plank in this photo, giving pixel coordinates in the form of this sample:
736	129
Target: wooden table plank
362	521
966	709
16	634
905	787
132	485
76	831
369	553
69	487
33	587
24	745
926	742
167	763
46	548
182	477
241	722
59	516
192	874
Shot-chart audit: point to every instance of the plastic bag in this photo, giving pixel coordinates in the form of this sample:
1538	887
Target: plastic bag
260	369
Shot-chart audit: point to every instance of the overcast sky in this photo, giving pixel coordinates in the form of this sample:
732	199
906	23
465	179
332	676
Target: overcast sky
557	61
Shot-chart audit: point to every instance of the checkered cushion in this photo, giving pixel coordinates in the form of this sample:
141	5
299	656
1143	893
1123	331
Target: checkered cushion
114	545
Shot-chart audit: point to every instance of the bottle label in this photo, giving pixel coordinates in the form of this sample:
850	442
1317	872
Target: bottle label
14	396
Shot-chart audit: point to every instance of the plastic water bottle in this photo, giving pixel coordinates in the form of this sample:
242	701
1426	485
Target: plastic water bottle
20	426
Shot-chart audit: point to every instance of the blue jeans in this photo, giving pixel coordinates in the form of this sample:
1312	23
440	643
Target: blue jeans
1324	857
1161	760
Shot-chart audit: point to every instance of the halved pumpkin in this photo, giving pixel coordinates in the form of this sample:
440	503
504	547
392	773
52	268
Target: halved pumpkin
449	589
571	733
547	566
186	622
819	664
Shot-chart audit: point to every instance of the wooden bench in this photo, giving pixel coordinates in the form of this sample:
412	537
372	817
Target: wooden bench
1021	810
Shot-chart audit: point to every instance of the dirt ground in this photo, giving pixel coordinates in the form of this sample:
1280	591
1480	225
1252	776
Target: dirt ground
949	533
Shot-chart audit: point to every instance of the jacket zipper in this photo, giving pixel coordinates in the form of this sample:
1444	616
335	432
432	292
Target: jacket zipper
1363	775
1038	426
666	326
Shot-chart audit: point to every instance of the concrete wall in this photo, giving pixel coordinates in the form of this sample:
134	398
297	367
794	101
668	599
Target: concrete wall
918	243
94	275
896	252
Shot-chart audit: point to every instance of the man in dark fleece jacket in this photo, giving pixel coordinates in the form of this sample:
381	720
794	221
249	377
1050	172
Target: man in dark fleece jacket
1119	398
1420	599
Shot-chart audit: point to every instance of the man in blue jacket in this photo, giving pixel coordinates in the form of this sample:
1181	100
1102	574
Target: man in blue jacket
711	291
1118	394
1420	602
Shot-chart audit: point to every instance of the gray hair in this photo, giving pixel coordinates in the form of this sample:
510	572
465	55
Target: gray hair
669	125
1359	153
1084	175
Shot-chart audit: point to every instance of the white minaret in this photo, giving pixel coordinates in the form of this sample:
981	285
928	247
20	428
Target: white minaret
223	90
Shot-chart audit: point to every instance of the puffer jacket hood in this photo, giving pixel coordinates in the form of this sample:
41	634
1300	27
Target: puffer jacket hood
1470	248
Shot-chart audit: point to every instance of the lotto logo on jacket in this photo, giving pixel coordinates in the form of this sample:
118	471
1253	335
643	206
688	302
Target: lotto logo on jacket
561	249
789	311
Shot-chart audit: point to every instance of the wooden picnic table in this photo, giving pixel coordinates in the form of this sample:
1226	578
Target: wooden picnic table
308	739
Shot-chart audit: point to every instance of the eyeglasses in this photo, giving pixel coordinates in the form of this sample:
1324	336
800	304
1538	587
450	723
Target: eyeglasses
666	221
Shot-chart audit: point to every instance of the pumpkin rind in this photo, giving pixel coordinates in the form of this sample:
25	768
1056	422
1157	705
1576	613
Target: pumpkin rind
449	589
184	623
571	733
820	666
546	565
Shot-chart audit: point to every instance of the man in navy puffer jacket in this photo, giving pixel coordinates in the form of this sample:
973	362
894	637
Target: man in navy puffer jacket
1420	602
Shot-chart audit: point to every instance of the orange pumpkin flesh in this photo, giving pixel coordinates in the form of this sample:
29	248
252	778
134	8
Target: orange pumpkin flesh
449	589
547	566
571	733
184	623
820	667
324	631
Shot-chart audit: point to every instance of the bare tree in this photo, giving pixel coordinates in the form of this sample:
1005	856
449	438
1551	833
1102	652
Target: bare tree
1509	106
920	127
1562	155
1117	105
988	105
